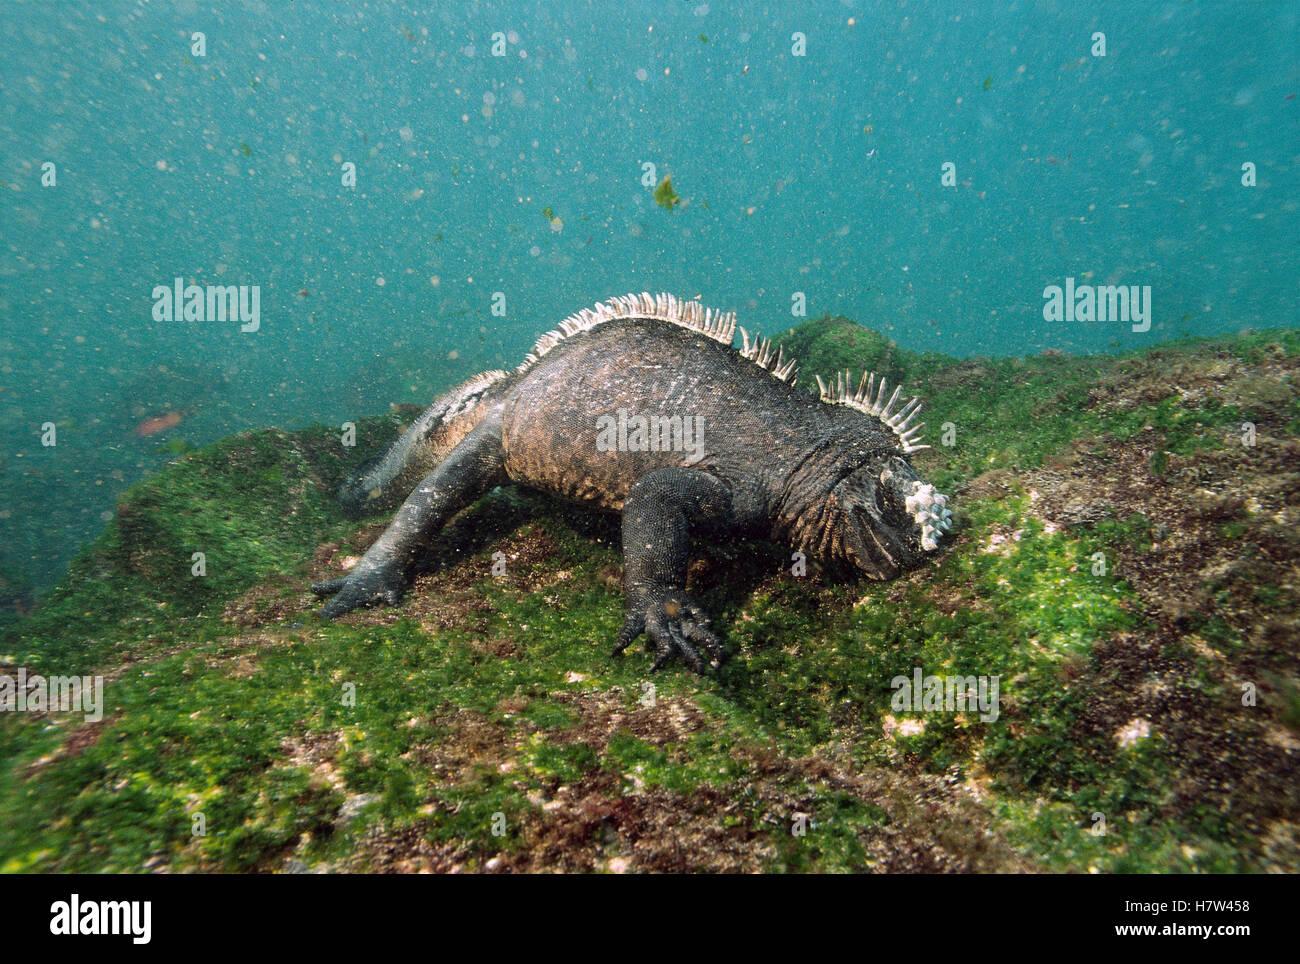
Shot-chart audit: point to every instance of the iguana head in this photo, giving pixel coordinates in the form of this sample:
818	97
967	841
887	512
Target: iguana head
885	519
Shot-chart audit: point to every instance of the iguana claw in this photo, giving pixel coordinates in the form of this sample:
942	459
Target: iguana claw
358	590
674	625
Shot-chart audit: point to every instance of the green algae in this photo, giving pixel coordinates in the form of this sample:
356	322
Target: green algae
664	194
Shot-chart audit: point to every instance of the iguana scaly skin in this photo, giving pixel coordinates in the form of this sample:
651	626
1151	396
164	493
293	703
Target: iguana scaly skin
589	416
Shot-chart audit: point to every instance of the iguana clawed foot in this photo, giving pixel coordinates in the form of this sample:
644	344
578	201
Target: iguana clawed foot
360	588
675	625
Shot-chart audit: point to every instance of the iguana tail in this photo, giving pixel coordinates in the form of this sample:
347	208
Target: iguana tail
383	482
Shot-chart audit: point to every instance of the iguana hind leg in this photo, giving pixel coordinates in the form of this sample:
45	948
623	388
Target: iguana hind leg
470	470
659	511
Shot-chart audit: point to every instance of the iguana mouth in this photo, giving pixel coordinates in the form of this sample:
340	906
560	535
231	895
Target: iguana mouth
930	510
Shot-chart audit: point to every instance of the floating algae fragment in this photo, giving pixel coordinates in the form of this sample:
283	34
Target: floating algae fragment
176	447
245	149
665	196
703	39
548	213
988	82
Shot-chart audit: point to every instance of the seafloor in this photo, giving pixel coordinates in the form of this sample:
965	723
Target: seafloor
491	730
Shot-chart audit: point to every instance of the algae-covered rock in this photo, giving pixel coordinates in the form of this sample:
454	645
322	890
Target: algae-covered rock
1125	568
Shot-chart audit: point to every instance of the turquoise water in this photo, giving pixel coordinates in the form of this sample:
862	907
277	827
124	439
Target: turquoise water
806	143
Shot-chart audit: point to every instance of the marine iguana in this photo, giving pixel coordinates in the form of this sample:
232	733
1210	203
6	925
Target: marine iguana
600	412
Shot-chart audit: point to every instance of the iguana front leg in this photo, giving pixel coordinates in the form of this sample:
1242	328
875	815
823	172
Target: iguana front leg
658	513
470	470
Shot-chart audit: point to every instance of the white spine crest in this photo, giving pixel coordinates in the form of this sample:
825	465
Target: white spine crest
760	353
900	422
691	315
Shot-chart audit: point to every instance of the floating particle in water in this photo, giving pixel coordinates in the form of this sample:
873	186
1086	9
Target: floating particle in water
642	74
988	82
704	38
548	213
665	196
245	149
534	251
381	281
406	134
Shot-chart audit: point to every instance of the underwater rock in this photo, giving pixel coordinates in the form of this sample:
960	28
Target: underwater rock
1140	613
